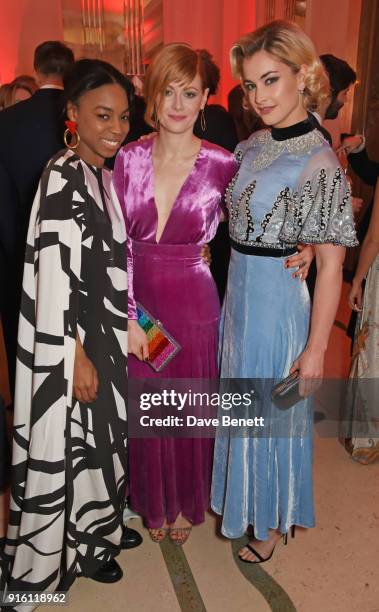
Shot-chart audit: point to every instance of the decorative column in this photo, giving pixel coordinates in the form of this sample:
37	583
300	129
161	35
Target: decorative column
93	20
134	29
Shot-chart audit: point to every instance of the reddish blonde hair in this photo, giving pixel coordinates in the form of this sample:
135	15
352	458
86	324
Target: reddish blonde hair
177	62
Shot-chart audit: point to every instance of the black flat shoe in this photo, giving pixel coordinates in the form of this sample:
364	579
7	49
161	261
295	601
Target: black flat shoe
109	572
130	538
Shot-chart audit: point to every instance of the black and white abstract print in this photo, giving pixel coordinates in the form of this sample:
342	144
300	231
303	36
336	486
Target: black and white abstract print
69	458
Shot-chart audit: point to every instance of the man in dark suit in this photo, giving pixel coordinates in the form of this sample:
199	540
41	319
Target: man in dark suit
31	133
341	77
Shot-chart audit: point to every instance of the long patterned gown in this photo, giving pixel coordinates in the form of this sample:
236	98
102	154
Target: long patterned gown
289	189
69	458
361	408
170	279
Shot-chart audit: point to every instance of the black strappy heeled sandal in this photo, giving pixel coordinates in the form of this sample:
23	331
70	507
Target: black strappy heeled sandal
259	556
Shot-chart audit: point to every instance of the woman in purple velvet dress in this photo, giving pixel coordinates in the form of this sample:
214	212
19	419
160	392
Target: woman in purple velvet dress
171	189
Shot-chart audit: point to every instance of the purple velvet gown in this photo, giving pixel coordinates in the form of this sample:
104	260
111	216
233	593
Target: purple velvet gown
170	279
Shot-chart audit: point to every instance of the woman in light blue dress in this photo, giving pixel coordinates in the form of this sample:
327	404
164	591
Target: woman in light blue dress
289	189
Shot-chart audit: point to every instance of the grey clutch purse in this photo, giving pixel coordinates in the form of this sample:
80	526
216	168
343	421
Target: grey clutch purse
285	393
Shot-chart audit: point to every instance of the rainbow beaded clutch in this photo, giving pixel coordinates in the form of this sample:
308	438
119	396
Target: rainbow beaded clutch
162	346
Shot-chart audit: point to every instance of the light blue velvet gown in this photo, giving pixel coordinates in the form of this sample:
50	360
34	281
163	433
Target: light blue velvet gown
289	189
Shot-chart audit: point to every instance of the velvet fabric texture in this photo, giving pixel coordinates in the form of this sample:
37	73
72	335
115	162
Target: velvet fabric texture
264	481
169	476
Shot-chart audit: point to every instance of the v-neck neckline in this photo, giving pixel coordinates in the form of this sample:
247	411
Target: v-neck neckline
189	176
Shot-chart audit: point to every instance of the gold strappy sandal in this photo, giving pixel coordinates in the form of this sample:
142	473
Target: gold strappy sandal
159	534
182	533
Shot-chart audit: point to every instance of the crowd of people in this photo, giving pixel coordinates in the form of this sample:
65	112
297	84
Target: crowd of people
97	223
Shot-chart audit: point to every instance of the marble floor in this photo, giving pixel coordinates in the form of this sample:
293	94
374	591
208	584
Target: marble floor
332	568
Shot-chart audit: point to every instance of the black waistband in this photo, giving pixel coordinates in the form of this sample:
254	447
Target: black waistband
248	249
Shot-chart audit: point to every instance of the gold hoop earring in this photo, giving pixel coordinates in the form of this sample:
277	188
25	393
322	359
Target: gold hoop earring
70	144
203	123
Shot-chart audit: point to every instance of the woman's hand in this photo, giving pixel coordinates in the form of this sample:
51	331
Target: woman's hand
350	143
86	382
311	370
301	260
137	341
206	254
356	296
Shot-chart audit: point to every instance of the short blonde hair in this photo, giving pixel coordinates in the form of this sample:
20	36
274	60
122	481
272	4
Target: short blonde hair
287	42
175	62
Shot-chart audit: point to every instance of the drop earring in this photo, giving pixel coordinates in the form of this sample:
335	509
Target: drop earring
71	131
203	123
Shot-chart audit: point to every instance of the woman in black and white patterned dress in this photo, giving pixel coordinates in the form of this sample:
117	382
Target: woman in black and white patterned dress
69	450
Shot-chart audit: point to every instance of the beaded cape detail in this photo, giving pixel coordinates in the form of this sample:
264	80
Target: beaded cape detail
289	191
271	149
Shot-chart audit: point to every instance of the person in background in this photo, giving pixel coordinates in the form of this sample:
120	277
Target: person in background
246	121
354	146
139	127
28	82
341	79
20	94
31	135
4	89
69	461
216	124
12	93
361	411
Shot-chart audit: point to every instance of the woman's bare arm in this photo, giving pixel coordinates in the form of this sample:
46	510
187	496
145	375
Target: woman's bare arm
329	259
